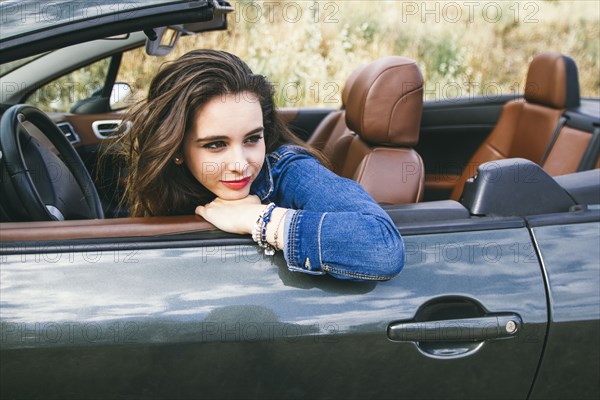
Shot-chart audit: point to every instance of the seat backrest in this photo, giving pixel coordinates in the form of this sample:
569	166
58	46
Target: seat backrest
333	126
526	126
571	145
383	111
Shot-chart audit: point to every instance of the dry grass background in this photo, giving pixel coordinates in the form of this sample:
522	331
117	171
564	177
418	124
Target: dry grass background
464	48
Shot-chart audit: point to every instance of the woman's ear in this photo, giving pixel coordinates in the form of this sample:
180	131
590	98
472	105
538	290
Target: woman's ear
178	160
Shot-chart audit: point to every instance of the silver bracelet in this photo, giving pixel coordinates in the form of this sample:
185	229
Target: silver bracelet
276	237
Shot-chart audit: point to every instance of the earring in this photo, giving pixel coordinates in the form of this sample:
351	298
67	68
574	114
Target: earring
178	161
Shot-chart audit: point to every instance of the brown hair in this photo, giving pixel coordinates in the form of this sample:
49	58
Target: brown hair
154	184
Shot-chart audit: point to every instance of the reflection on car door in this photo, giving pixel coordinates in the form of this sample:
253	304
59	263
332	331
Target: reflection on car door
465	317
571	255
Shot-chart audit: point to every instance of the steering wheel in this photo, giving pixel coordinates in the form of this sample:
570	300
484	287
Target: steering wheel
45	179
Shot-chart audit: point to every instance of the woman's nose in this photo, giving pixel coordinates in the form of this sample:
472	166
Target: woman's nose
236	160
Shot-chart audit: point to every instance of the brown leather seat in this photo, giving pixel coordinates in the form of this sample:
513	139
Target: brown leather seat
383	111
526	126
334	125
567	151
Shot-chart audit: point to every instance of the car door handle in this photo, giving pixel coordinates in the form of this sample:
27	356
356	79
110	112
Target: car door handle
456	330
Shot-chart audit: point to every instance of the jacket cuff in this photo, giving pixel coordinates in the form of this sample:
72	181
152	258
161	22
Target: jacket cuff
302	236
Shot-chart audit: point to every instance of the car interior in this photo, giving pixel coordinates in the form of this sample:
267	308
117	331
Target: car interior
383	113
425	163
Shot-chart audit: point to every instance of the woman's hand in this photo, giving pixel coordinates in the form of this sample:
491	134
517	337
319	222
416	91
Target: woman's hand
234	216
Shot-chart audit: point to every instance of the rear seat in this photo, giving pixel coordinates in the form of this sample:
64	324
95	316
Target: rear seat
531	128
573	149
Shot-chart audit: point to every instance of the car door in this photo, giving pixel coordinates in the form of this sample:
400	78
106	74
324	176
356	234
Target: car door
570	252
207	314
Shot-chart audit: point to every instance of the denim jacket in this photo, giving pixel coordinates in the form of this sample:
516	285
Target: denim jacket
336	228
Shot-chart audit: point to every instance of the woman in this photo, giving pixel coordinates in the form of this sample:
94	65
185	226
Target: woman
208	139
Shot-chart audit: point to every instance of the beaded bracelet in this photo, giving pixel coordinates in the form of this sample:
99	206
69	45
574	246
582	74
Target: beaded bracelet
256	229
269	249
259	231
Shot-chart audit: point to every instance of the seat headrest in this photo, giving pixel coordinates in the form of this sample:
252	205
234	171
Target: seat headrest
349	83
385	103
552	80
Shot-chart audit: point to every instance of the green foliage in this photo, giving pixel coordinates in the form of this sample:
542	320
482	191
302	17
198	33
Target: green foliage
62	93
309	55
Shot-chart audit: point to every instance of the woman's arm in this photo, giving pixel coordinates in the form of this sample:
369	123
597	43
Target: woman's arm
337	227
239	216
325	223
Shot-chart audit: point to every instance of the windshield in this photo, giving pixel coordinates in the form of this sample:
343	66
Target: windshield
18	17
10	66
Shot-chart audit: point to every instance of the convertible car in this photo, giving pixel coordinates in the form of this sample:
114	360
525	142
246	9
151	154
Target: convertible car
498	201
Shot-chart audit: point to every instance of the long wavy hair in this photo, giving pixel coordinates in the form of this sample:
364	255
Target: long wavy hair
154	184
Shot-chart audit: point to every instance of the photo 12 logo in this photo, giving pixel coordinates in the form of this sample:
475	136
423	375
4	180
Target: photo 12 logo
268	332
16	334
469	11
289	11
50	12
42	253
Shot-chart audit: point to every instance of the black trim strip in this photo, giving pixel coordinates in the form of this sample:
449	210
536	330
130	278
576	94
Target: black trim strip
219	238
465	225
576	217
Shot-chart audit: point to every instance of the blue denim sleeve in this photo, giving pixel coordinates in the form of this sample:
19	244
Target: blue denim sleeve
337	227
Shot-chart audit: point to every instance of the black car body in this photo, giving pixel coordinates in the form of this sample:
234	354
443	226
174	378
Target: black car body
502	304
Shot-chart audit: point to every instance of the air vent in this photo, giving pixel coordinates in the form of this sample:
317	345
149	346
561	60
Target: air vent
69	132
109	128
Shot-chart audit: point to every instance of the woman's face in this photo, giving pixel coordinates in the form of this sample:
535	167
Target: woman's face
225	149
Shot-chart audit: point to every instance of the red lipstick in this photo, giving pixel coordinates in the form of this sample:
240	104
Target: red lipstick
237	185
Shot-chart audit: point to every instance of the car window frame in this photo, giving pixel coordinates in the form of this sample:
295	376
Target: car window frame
102	26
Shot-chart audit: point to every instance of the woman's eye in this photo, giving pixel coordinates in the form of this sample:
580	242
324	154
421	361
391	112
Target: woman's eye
254	139
214	145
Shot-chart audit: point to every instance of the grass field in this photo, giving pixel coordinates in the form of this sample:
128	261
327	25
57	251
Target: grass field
464	48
